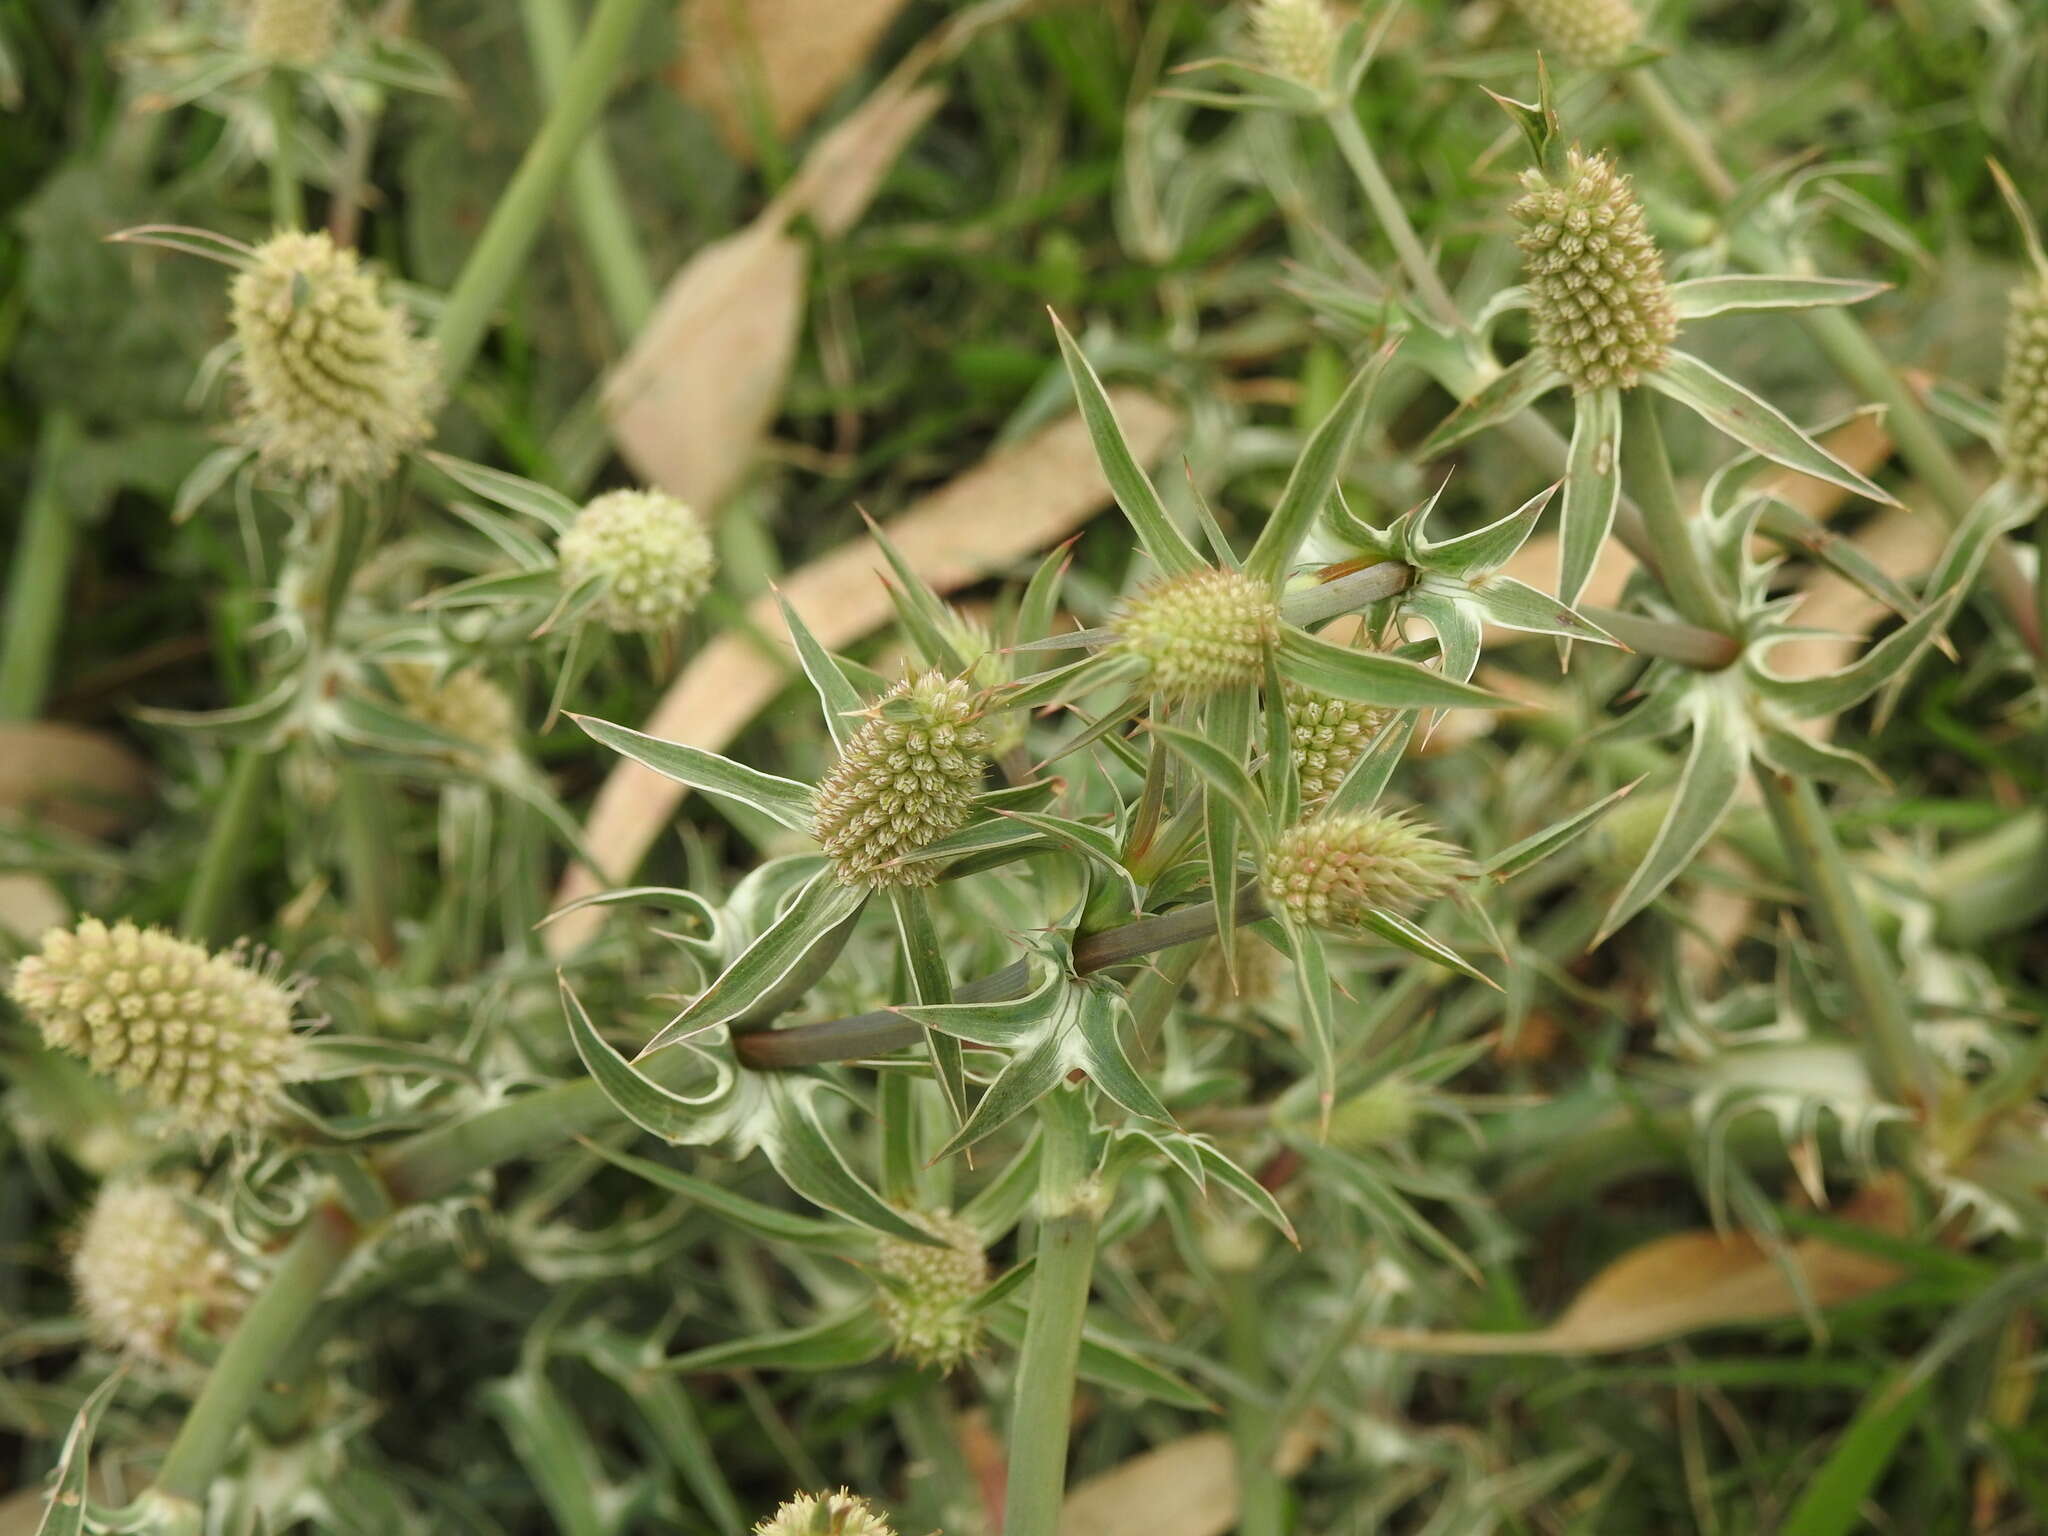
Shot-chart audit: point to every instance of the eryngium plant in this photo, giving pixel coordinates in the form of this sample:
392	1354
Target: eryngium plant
929	1293
1336	870
1201	632
143	1266
648	554
295	32
1584	34
825	1514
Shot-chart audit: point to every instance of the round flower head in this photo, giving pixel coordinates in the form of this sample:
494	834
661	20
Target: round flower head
1252	977
1332	870
825	1514
206	1037
906	779
1596	282
297	32
1297	40
1383	1115
928	1293
2026	385
1329	736
140	1262
1202	632
465	704
1584	34
650	553
334	383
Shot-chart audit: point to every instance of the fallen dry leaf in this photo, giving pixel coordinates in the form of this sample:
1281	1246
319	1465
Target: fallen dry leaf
84	781
1689	1281
796	52
1186	1486
1018	500
30	906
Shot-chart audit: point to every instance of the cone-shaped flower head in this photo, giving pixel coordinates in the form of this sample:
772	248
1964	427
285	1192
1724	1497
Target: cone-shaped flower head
650	552
2026	384
1331	870
1383	1115
1202	632
906	779
1596	281
334	383
206	1037
825	1514
465	704
1584	34
297	32
140	1261
1297	40
928	1293
1329	736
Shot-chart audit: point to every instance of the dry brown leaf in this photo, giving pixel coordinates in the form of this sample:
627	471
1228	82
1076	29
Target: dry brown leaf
84	781
797	52
1017	500
1689	1281
1186	1486
30	906
840	175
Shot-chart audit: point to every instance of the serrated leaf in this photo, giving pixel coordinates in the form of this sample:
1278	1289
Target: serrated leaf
1515	604
836	1344
1754	423
1484	549
1592	490
1315	473
1375	677
786	801
1511	861
752	1216
1505	396
1099	1051
1700	800
1700	297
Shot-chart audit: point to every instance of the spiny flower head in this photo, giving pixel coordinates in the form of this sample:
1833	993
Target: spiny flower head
1201	632
206	1037
650	552
296	32
825	1514
1297	40
334	383
1332	870
928	1293
465	704
908	778
2025	389
1584	34
139	1263
1596	281
1329	736
1382	1115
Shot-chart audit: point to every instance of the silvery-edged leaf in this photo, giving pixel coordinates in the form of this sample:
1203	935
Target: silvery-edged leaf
255	721
1222	772
1506	395
1112	668
1227	1173
1097	1048
996	833
1038	1068
1318	1006
796	1143
2004	506
932	981
1484	549
511	492
1793	528
1455	623
1315	473
1229	728
1700	297
1964	407
207	477
695	1118
1374	677
1108	1363
1366	780
749	1215
1725	404
837	694
1397	930
810	923
65	1512
836	1344
1506	302
1158	532
1537	846
526	548
1282	775
1807	698
1700	800
922	613
1515	604
1102	730
504	587
786	801
1592	489
1091	843
1806	757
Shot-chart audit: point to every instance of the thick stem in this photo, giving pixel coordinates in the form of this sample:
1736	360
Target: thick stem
1704	650
500	253
1896	1063
263	1336
1262	1509
1069	1210
1386	207
287	198
210	897
1647	468
40	574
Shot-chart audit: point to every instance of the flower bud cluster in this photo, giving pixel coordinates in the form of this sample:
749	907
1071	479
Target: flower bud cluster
650	554
1330	734
1584	34
928	1294
907	778
141	1261
2025	390
1333	870
825	1514
1297	40
1201	632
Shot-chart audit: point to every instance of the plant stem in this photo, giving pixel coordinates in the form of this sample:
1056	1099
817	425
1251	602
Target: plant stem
1647	469
430	1164
604	220
1646	88
1069	1210
1896	1063
365	856
500	253
287	198
40	574
1262	1499
265	1333
208	900
1386	207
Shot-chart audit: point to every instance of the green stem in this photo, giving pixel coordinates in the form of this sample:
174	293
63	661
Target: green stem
263	1336
1647	469
287	198
1262	1508
1896	1063
500	254
430	1164
1648	92
39	577
1393	217
604	220
365	850
210	897
1069	1210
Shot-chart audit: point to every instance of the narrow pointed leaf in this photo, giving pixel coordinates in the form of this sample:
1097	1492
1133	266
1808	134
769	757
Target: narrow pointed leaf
1224	1171
1219	770
812	1165
838	696
1754	423
1705	790
1091	843
680	1119
752	1216
788	802
1397	930
1318	1006
1315	473
1374	677
1700	297
1366	779
1485	549
1108	1364
1506	395
1099	1051
1456	626
1002	1023
1592	490
1807	698
1511	861
836	1344
1804	757
933	984
1515	604
1026	1078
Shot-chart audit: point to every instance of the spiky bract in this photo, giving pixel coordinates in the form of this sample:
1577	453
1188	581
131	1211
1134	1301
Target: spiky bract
1331	871
1603	310
206	1037
928	1293
1201	632
907	778
825	1514
650	554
